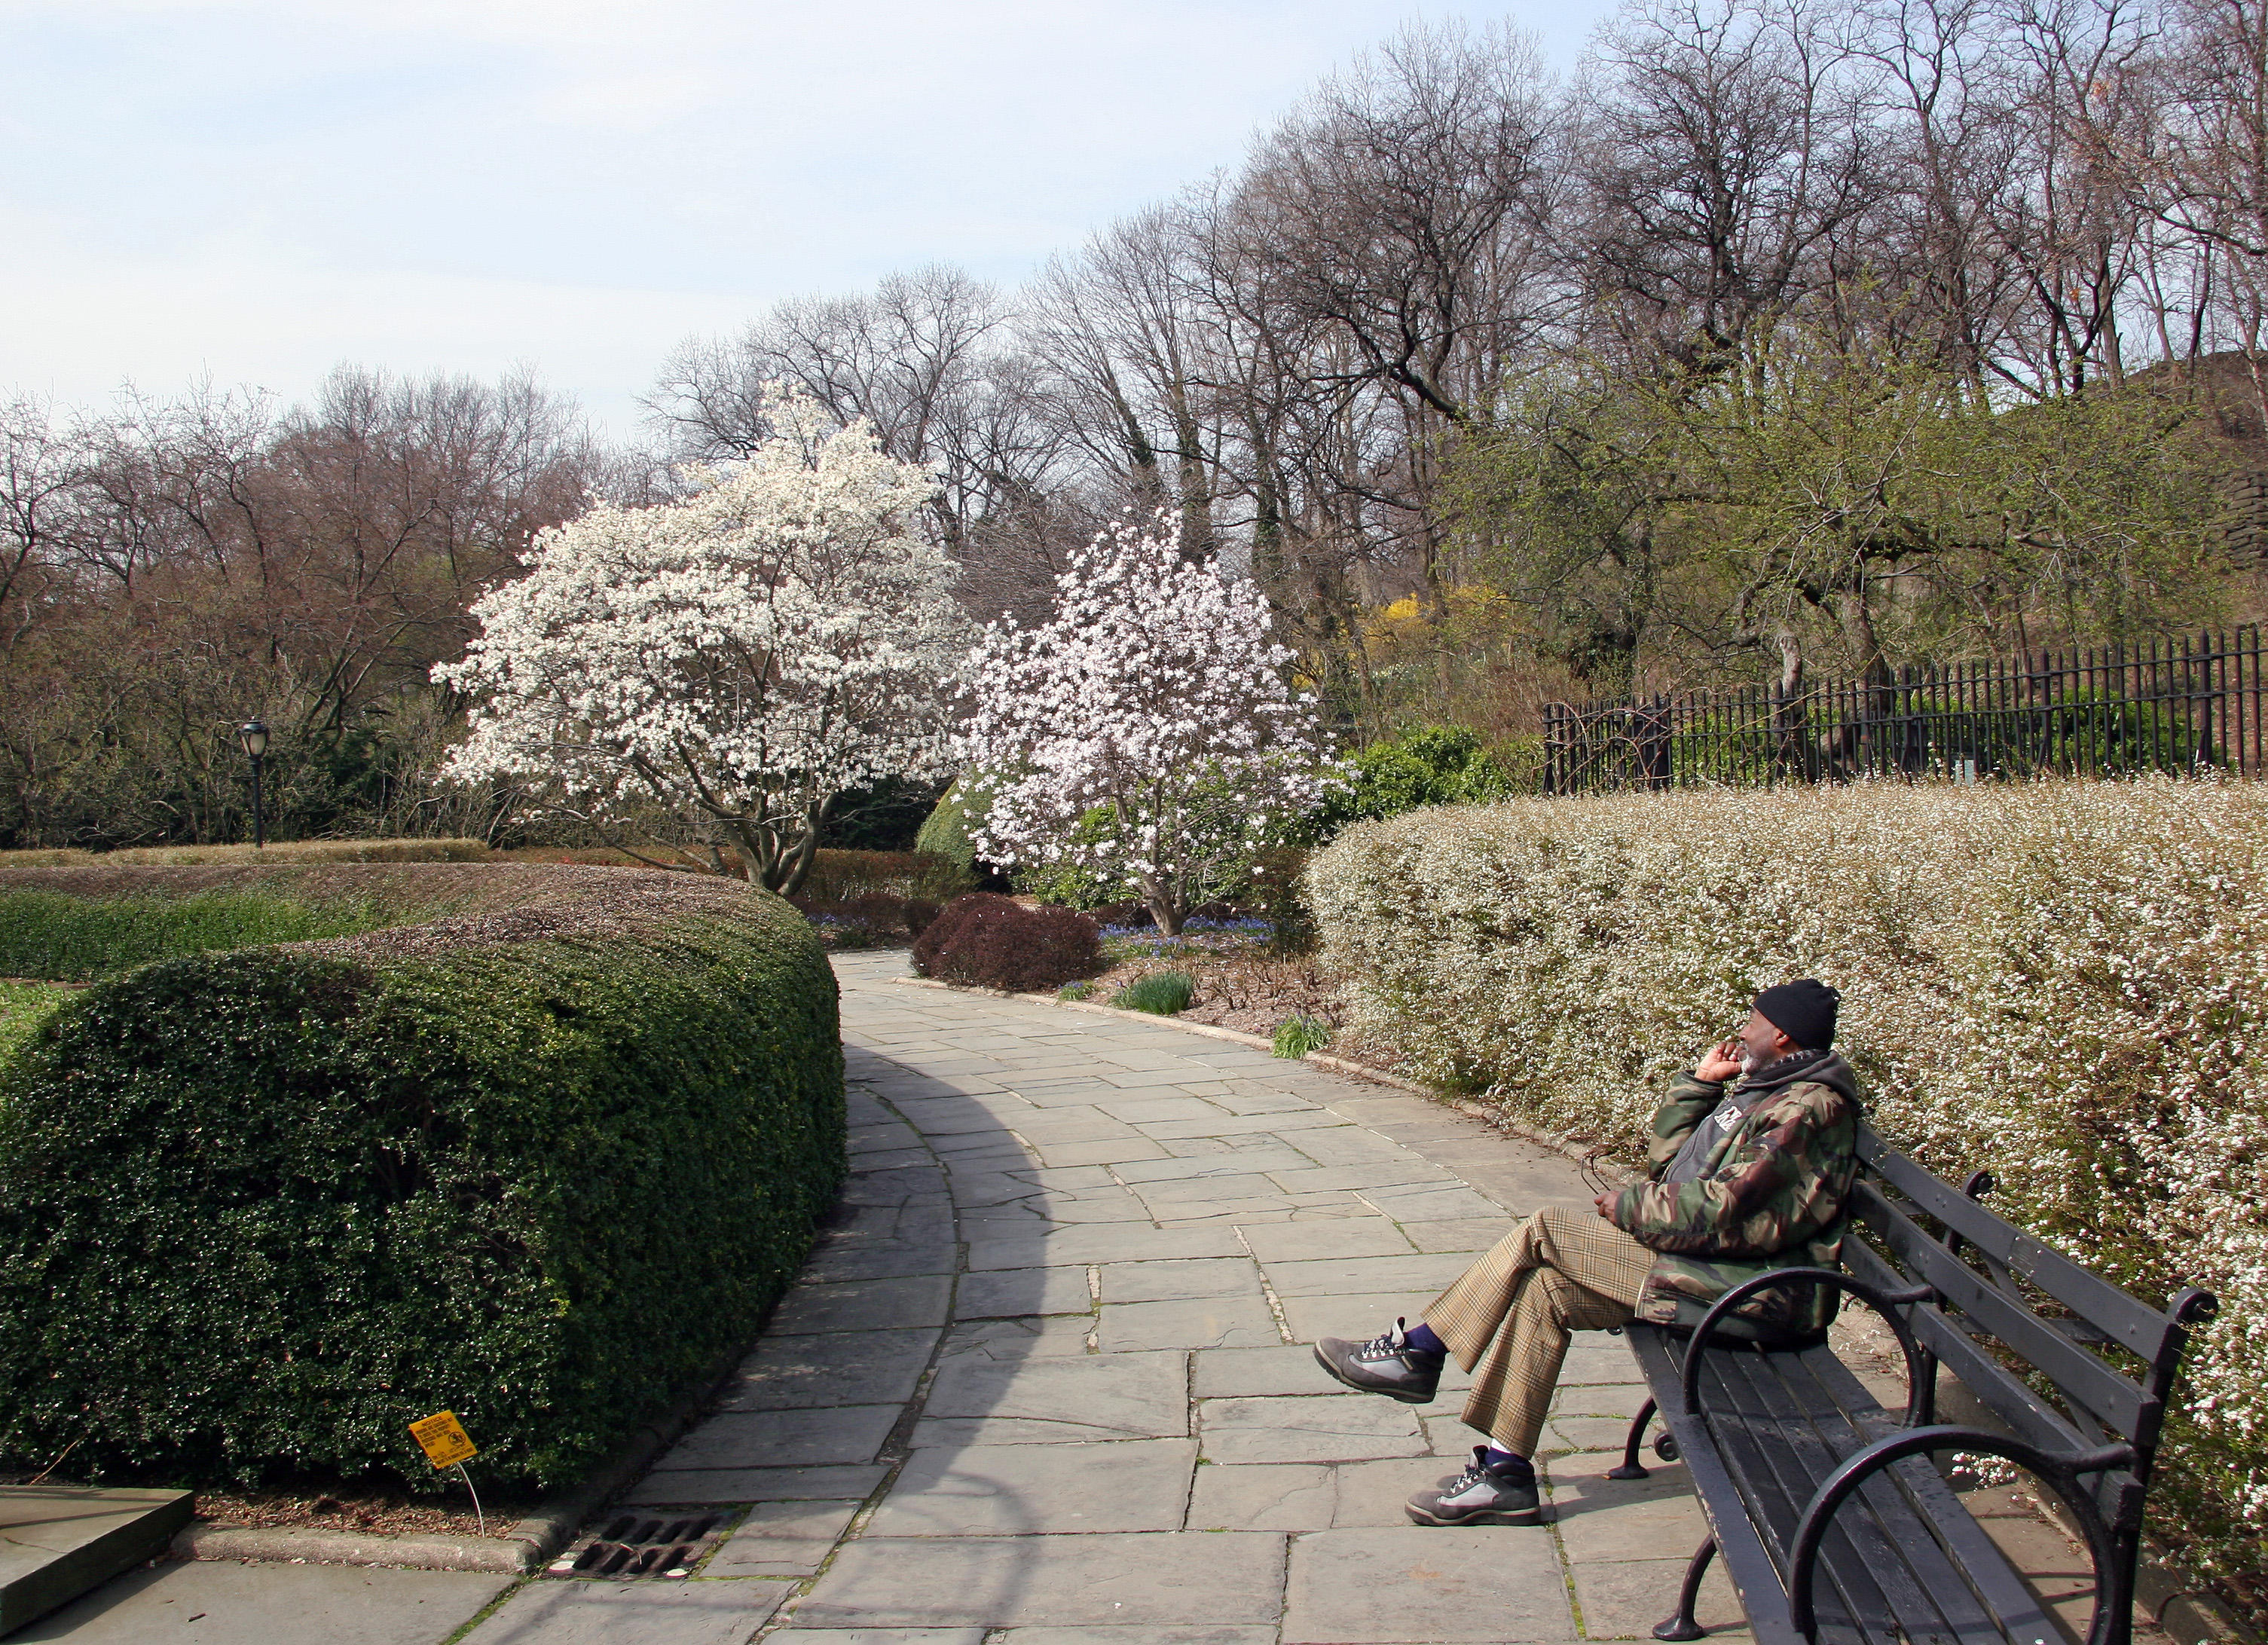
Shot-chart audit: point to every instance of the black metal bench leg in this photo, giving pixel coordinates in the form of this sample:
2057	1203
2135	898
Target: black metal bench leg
1682	1626
1629	1470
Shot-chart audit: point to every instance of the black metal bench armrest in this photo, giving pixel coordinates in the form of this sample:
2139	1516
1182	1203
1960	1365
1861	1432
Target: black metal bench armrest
2060	1470
1920	1369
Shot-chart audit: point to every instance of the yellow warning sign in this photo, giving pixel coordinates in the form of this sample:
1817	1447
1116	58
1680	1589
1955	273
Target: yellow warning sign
445	1440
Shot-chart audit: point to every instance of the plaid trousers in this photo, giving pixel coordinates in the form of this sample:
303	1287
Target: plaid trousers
1507	1317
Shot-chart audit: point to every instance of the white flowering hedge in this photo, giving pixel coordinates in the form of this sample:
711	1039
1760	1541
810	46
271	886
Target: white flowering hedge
2067	984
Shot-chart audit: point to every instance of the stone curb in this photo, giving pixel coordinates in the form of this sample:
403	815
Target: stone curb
504	1556
528	1545
2190	1616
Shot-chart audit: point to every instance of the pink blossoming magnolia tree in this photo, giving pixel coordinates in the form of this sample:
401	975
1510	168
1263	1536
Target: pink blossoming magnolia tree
738	658
1146	730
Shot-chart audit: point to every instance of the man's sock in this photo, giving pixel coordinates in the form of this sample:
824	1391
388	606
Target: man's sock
1420	1336
1509	1462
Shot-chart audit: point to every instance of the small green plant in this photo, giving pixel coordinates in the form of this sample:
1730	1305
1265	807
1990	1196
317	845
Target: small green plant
1075	990
1161	994
1297	1036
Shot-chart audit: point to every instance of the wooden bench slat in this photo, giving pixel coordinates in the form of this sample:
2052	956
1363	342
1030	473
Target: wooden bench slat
2006	1397
1747	1565
2102	1304
1984	1376
2114	1401
1778	1465
1971	1582
1905	1561
1932	1602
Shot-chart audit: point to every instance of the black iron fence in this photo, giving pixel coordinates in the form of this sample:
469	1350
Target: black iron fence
2182	705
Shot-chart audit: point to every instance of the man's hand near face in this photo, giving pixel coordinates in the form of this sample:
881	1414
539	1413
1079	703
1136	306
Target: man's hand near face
1719	1064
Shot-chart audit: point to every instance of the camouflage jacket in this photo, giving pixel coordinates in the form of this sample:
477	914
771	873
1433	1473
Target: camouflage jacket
1770	1195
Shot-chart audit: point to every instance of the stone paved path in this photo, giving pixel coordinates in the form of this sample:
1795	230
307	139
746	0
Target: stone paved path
1046	1382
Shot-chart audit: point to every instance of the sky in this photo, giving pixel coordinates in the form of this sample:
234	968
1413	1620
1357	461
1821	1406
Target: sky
253	191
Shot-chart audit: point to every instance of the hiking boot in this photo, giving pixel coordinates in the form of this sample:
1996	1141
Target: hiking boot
1387	1364
1481	1495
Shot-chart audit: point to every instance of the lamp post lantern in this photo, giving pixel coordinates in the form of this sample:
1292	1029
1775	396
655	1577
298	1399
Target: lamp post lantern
255	744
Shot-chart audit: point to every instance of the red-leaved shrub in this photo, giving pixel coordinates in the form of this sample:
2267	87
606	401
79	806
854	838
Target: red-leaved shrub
991	941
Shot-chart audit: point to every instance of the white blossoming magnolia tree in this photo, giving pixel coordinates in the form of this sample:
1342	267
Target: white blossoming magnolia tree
1146	730
739	656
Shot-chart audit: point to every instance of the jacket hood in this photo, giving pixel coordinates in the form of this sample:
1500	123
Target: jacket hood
1802	1067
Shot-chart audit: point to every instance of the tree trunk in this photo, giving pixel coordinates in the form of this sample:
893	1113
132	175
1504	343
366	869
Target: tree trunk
795	863
1165	908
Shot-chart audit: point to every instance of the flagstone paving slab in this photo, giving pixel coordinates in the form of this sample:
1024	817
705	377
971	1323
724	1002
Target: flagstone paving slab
1624	1599
1216	1322
1138	1636
876	1636
1369	1234
1345	1276
1005	1490
783	1539
1111	1396
1009	1581
1007	1341
1435	1585
1313	1318
1186	1280
1263	1496
1010	1293
631	1613
221	1601
865	1304
1307	1428
850	1367
785	1439
692	1487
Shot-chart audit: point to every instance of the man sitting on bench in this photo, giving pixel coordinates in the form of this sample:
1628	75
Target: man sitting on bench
1744	1181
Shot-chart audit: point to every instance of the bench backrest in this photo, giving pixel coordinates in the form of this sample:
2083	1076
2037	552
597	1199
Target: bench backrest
2110	1357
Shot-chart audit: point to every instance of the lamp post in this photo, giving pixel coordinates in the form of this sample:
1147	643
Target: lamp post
255	744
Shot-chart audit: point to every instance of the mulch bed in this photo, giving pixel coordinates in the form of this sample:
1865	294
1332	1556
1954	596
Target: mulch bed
1245	990
373	1513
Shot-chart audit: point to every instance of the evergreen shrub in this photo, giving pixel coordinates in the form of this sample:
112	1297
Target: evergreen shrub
2066	982
986	940
541	1162
63	938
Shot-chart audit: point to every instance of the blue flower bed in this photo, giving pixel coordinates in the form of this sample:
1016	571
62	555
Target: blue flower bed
1197	936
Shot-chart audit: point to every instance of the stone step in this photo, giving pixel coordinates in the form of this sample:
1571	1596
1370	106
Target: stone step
57	1541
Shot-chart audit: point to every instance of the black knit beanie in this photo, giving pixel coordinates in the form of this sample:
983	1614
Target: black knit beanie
1804	1010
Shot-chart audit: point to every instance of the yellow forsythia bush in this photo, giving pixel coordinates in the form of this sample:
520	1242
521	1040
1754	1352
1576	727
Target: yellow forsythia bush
2067	983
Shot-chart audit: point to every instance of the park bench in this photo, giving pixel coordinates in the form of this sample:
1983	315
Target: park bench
1832	1519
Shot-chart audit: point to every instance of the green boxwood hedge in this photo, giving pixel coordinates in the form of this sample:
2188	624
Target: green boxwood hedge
541	1162
61	938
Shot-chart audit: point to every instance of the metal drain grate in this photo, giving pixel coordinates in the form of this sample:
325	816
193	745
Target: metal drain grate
642	1544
